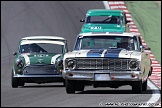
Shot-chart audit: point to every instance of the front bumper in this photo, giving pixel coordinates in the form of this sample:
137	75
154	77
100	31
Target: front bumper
102	75
39	78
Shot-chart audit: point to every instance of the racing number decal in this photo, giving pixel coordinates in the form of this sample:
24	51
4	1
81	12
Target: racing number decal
95	27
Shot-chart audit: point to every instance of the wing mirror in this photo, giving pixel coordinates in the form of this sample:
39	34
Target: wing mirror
147	48
82	20
127	21
142	47
14	53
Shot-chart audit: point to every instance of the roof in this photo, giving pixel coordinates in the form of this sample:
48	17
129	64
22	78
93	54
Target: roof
43	37
108	34
23	42
94	12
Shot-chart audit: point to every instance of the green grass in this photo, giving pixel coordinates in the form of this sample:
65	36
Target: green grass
147	17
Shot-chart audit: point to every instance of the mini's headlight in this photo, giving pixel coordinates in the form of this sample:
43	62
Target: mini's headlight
60	62
19	63
71	64
134	65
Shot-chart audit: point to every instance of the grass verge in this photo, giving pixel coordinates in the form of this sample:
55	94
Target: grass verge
147	17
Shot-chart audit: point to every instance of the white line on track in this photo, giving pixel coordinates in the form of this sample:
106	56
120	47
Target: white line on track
106	4
155	90
155	94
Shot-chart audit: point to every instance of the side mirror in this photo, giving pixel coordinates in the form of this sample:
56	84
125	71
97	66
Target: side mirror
82	20
127	21
147	48
142	48
14	53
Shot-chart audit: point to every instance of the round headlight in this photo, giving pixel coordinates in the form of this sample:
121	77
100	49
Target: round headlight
19	63
133	65
71	64
60	62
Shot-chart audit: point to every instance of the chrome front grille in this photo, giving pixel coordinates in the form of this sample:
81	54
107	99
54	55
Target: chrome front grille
40	70
103	63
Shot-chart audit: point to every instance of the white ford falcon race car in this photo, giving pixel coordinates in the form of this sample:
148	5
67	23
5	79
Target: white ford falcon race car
107	60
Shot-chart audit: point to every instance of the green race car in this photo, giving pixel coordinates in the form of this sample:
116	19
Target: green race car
38	60
104	20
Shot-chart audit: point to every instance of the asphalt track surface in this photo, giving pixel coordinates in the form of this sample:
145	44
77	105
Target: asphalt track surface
61	18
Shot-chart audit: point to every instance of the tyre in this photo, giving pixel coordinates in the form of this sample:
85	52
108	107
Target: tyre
150	72
70	86
137	87
64	83
21	83
14	81
144	86
80	86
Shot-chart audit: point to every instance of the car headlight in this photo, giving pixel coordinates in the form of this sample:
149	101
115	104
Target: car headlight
134	65
71	64
60	62
19	63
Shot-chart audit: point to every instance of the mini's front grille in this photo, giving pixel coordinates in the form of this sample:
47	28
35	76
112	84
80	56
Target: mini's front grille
102	63
40	70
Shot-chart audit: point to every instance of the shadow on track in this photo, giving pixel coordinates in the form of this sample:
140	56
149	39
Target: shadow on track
113	92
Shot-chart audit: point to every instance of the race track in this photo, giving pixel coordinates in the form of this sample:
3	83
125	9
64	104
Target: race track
61	18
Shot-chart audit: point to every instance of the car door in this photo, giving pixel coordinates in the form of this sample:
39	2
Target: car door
145	61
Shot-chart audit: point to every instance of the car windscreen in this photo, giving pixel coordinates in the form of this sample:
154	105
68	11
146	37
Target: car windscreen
107	42
41	48
103	19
